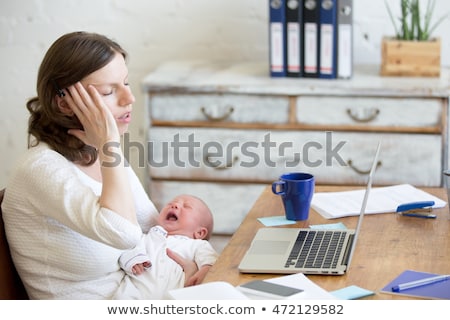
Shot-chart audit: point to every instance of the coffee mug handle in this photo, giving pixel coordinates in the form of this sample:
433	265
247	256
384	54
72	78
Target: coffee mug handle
279	184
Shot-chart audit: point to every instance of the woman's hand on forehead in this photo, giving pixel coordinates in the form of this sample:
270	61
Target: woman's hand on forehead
98	123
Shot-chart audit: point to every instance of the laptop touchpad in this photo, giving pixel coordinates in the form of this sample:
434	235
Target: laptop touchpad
269	247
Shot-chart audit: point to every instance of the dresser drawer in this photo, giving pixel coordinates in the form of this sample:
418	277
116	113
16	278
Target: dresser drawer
229	202
220	154
262	155
374	112
219	108
404	158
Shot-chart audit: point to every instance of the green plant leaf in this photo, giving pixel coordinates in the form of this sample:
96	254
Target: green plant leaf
397	33
414	26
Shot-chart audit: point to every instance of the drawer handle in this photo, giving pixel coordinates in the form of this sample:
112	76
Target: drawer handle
359	171
226	115
217	166
369	116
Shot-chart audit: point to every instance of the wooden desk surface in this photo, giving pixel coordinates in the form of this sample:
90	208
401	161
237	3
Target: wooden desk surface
388	245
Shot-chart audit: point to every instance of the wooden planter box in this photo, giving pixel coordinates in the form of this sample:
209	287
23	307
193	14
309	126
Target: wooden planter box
410	58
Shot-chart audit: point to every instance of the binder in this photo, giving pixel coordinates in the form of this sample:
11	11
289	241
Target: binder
328	39
294	9
345	39
311	11
277	22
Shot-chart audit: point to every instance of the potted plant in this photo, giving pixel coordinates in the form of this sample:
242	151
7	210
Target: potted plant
413	51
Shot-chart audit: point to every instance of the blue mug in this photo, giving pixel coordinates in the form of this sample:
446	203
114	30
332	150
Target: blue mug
296	190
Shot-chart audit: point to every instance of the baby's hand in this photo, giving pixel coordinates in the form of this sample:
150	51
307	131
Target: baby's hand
139	268
198	277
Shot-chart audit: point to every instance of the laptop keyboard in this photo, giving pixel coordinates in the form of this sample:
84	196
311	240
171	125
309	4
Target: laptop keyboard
316	249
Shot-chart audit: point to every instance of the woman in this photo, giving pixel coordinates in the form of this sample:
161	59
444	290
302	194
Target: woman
73	205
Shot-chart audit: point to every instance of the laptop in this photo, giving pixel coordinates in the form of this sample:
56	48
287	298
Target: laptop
304	250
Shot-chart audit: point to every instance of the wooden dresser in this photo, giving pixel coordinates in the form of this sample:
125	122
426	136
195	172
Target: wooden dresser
223	132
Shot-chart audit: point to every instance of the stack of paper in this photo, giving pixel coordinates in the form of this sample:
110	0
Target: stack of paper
217	290
381	200
311	291
220	290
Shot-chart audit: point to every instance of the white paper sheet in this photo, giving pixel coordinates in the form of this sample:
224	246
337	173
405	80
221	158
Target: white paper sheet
311	291
220	290
381	200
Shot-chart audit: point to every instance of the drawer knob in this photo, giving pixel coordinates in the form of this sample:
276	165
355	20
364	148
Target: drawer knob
217	165
223	117
360	171
369	115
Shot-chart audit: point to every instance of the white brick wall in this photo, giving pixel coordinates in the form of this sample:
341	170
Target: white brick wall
152	31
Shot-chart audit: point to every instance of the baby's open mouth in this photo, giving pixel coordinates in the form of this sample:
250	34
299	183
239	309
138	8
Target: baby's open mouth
171	216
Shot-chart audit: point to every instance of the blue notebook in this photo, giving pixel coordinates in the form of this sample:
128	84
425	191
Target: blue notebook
438	290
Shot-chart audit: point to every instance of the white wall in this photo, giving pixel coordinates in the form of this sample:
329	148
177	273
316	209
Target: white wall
152	31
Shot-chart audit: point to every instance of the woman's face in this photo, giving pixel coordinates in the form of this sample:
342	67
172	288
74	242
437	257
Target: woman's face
111	82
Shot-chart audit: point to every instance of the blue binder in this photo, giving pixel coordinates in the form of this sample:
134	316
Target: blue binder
294	37
277	38
328	39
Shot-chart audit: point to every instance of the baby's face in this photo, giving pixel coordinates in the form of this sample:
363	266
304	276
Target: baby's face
184	215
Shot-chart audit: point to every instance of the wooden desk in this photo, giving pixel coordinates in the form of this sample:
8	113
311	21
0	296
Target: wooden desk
388	245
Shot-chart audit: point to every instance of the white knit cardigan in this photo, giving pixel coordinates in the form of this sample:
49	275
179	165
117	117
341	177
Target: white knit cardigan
64	245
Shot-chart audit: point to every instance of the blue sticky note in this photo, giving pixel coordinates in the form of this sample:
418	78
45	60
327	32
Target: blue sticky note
275	221
351	293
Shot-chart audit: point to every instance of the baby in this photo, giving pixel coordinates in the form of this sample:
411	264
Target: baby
184	226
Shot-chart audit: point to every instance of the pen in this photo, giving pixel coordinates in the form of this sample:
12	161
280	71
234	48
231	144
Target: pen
419	215
419	283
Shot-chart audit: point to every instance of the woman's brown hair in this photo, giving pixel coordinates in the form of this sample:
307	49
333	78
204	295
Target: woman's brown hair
70	58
